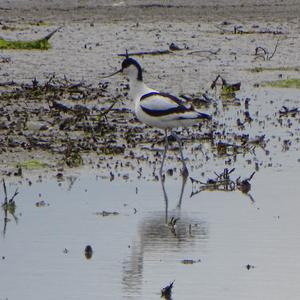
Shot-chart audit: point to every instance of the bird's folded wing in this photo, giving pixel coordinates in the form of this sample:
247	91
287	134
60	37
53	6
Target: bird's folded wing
159	104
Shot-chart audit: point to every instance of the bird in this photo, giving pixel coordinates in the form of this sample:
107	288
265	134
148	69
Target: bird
159	109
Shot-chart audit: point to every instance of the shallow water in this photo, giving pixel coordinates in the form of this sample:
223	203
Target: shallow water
136	254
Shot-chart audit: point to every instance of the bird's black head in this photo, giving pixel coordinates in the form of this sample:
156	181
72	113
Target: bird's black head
130	63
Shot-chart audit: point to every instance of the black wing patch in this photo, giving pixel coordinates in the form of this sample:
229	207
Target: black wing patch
159	113
173	98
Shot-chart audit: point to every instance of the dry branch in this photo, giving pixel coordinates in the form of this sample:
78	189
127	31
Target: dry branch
155	52
263	53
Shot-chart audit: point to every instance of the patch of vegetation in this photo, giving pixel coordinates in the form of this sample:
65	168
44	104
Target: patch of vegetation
40	23
283	69
6	27
72	157
32	164
39	44
10	207
285	83
74	160
112	150
228	92
228	89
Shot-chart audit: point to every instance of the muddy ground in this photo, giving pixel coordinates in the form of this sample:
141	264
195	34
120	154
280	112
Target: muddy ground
57	113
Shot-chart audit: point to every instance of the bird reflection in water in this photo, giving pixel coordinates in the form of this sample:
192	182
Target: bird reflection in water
160	236
9	207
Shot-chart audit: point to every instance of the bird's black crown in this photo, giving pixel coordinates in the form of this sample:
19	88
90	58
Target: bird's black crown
127	62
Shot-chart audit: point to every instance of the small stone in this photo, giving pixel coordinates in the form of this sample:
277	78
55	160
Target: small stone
88	252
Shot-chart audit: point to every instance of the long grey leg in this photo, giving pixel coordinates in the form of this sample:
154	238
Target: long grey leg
184	180
165	153
185	172
162	179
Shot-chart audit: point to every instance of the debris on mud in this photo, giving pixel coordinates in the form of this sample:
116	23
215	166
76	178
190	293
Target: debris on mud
172	48
47	117
228	90
72	124
263	53
286	112
226	28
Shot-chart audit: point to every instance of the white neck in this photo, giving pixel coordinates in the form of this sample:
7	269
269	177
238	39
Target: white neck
137	89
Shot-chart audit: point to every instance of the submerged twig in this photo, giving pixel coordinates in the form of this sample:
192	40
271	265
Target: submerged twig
167	291
9	206
223	182
6	201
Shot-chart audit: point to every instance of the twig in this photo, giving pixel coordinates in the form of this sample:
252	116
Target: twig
265	55
48	36
5	194
170	51
262	49
108	110
212	52
270	57
156	52
251	176
7	83
222	29
60	106
5	191
213	85
14	195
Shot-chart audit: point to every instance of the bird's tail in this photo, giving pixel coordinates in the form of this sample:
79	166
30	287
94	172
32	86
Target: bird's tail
204	116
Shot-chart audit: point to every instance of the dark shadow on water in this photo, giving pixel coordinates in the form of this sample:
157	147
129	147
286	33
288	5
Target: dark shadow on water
158	238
